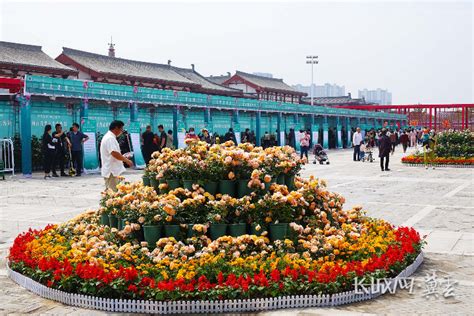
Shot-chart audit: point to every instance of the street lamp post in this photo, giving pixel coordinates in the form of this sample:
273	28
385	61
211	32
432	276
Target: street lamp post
312	60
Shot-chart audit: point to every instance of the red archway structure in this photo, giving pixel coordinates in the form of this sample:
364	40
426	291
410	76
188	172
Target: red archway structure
432	116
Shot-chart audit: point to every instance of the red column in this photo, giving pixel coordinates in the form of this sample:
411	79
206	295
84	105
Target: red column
467	118
430	114
462	117
435	119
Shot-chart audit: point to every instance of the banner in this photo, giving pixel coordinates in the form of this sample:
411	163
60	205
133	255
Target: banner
91	161
297	140
282	139
237	137
315	137
181	136
325	139
134	131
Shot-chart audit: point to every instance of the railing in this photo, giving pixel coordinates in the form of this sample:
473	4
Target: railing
39	85
7	155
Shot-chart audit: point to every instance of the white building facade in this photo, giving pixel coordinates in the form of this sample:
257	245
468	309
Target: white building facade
378	96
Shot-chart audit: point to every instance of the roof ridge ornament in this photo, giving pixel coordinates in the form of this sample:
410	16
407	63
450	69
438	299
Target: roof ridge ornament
111	48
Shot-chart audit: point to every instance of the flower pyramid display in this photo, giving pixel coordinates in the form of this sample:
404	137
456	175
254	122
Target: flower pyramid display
215	223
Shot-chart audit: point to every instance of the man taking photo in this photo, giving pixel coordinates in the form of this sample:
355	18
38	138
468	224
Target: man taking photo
110	156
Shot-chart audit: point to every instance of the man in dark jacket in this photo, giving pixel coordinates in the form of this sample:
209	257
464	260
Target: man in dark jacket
230	136
385	146
147	149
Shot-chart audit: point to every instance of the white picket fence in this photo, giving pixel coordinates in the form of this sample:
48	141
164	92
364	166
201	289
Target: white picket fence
184	307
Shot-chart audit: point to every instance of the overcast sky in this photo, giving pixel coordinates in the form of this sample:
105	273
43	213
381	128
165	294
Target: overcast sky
422	52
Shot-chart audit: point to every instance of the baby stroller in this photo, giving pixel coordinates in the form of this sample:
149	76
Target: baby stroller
368	154
320	155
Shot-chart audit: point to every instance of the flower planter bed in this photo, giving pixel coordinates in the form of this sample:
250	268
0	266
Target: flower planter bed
449	149
417	160
306	249
222	306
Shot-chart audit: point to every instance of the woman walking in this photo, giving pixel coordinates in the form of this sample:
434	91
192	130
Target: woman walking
48	150
304	144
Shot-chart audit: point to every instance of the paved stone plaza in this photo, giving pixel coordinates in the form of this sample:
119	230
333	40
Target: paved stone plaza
439	203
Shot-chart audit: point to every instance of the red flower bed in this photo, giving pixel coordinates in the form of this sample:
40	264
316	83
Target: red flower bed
417	159
130	282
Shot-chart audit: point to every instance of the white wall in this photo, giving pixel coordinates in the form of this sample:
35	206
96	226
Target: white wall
242	86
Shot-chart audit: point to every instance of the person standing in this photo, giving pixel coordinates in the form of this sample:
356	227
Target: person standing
230	136
110	156
385	147
246	136
412	138
48	148
205	137
356	140
404	141
393	140
169	140
304	144
61	142
292	138
429	145
162	137
147	138
77	138
191	134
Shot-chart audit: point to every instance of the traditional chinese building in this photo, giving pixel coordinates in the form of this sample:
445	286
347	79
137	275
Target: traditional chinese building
111	69
334	101
17	60
264	88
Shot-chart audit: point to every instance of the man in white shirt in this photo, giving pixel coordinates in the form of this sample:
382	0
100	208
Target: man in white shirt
110	156
356	140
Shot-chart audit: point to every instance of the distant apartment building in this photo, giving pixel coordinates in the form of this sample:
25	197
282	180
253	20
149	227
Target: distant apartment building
326	90
378	96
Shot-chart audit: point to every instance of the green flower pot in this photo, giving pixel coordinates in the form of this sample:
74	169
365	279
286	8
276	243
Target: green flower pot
113	221
146	180
211	187
217	230
152	234
119	223
190	232
154	183
172	231
254	231
236	230
268	185
138	234
173	184
104	219
281	178
123	222
242	188
278	231
188	184
227	187
290	181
